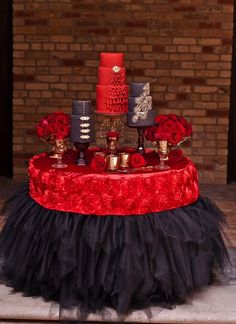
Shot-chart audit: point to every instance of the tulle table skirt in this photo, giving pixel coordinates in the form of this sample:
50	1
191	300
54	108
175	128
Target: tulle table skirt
128	262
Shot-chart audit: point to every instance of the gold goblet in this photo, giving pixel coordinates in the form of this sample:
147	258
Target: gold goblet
163	153
60	148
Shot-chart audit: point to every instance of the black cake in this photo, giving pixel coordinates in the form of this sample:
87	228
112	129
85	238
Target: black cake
82	122
140	111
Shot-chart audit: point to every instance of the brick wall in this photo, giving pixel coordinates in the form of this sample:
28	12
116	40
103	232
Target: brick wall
182	47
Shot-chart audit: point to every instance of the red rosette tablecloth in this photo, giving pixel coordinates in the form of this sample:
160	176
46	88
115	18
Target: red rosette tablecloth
86	191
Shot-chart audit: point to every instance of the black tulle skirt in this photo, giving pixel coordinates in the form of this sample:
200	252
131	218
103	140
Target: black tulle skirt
125	262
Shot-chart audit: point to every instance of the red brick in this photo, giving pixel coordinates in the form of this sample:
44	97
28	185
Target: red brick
207	25
23	77
72	62
207	49
194	81
36	22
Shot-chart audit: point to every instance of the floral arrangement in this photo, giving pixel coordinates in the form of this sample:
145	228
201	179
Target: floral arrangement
171	128
137	161
55	125
113	134
98	163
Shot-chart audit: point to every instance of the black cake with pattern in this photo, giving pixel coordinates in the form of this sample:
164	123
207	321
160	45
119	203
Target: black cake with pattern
140	110
82	122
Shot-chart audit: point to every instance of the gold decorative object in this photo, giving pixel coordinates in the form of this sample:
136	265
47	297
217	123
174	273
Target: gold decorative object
55	145
163	153
143	104
113	123
124	160
60	147
116	69
112	145
113	162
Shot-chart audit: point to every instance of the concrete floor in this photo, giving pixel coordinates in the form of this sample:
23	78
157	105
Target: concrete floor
213	304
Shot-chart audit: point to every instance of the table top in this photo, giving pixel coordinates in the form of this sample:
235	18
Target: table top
87	191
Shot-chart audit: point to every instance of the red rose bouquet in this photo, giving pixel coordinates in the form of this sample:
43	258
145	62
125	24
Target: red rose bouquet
137	161
98	163
171	128
55	125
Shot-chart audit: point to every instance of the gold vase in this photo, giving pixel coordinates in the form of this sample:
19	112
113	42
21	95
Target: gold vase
58	145
59	148
163	150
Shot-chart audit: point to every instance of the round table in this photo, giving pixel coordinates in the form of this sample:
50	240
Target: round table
87	191
93	239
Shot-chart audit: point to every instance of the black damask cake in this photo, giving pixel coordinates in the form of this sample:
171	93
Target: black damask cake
82	122
140	112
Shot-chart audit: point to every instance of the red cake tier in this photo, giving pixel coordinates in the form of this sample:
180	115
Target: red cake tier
111	59
112	100
111	76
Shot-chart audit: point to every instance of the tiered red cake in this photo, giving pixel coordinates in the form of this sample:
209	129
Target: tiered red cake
111	91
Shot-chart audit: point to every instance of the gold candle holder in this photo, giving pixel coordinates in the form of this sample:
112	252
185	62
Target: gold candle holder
113	162
124	160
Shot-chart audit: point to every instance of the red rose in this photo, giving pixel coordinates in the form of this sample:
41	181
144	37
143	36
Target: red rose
173	117
62	119
150	133
113	134
176	155
175	138
137	161
187	126
161	119
189	130
162	136
169	125
52	128
40	131
98	163
179	128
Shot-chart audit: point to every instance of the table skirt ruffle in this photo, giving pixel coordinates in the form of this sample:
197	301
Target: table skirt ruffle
126	263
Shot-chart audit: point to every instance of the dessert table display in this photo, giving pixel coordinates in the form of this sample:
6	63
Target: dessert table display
127	241
108	226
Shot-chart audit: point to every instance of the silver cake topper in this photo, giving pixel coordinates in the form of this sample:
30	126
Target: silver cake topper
116	69
143	104
84	118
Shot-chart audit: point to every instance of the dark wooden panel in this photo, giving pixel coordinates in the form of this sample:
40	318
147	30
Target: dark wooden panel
6	88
